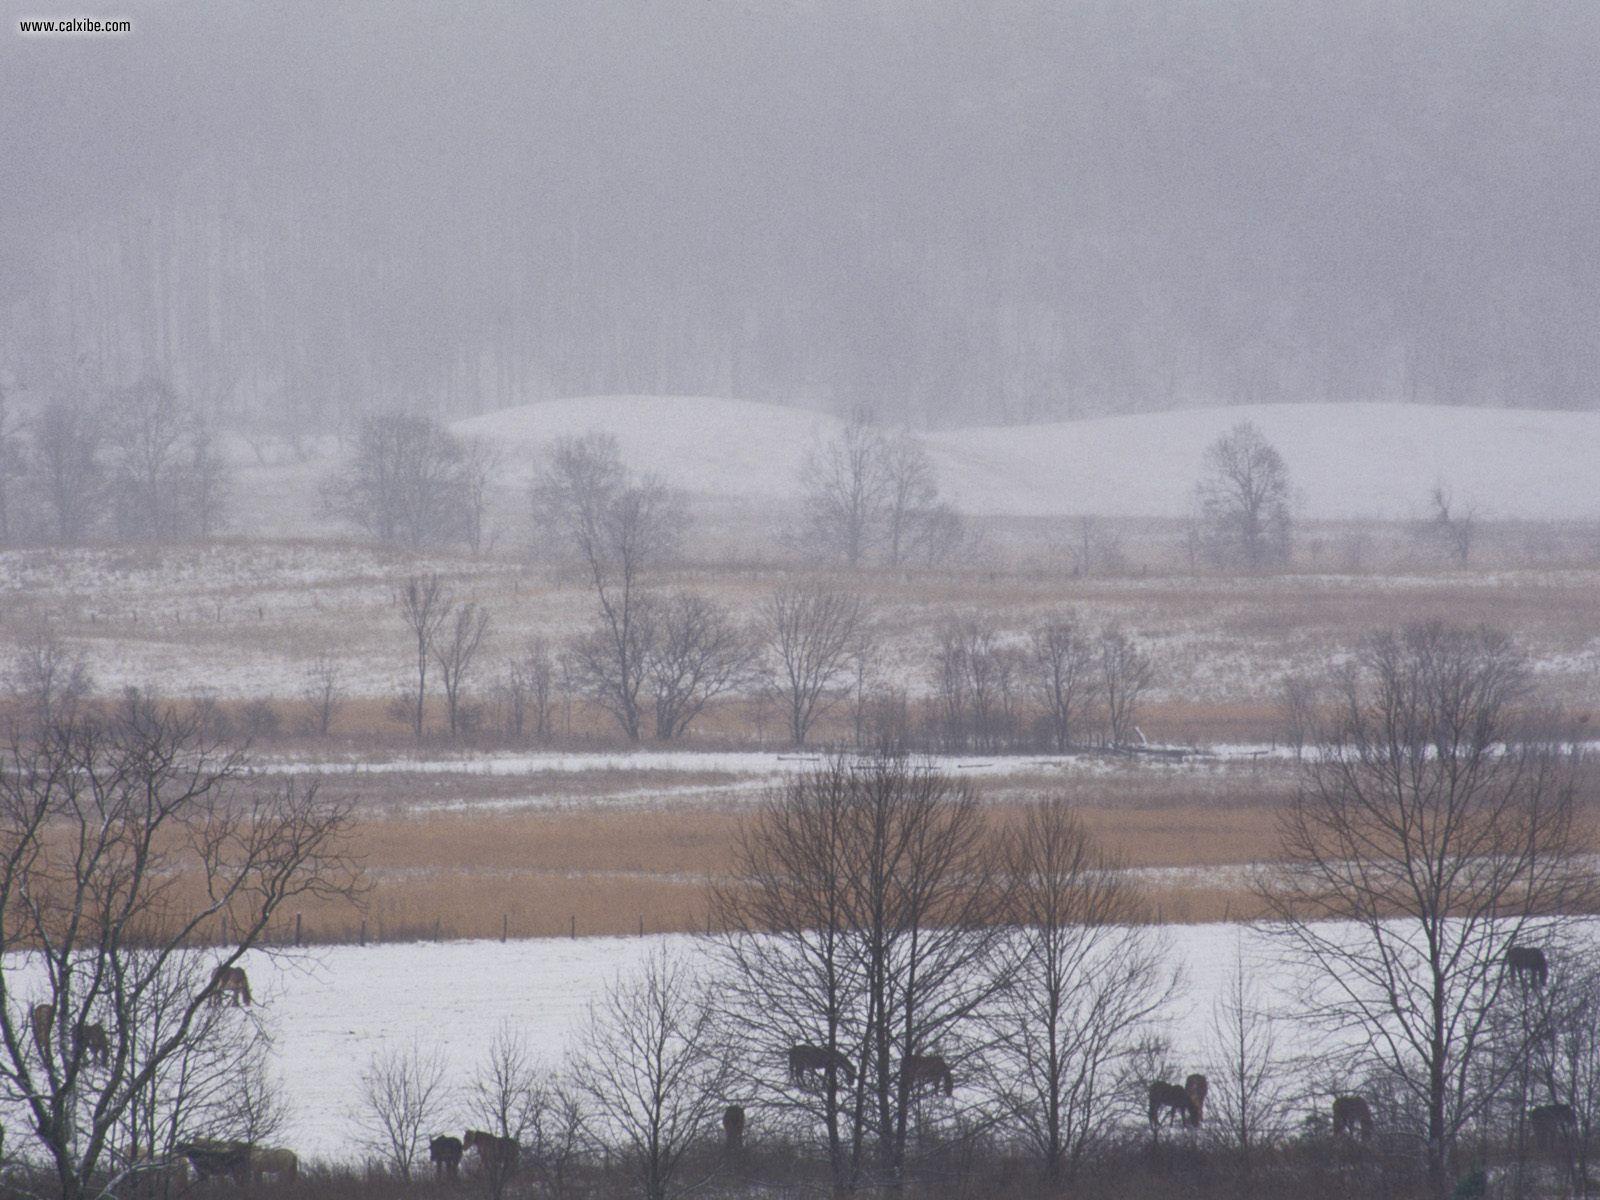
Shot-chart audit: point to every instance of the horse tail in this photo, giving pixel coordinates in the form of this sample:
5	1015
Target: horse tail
244	987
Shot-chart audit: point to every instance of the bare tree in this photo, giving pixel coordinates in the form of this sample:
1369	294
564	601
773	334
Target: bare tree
406	482
504	1100
1086	980
811	631
655	1069
862	922
402	1098
12	462
1065	667
619	528
1126	673
1431	832
322	694
480	464
1452	527
865	494
167	478
124	844
527	691
698	653
844	488
1299	702
425	604
48	679
1249	1094
455	651
1244	500
67	464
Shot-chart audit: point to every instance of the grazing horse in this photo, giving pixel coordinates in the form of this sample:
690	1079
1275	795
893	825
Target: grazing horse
919	1070
229	1160
92	1038
1195	1087
268	1160
1352	1115
1528	964
231	980
499	1154
804	1058
1171	1098
444	1152
1553	1125
43	1017
733	1126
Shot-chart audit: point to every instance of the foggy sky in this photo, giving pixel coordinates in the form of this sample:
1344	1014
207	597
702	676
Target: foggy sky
958	212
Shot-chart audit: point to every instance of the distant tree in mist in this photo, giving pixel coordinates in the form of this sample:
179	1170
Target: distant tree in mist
167	479
813	632
868	496
455	651
698	652
1451	526
618	527
11	466
425	604
410	482
68	471
1244	500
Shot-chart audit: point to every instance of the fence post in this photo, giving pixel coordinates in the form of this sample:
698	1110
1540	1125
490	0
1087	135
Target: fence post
505	923
297	929
573	932
363	931
641	924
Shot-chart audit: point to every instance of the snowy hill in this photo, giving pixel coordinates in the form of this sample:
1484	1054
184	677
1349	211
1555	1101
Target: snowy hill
1346	460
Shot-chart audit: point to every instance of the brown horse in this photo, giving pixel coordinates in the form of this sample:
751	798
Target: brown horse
444	1152
1554	1125
498	1154
805	1058
1195	1087
733	1126
923	1070
92	1038
1352	1115
43	1017
230	980
1170	1098
268	1160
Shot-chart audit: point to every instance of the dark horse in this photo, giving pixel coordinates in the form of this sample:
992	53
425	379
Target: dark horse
1352	1115
229	1160
1195	1087
1170	1098
922	1070
1528	964
1553	1125
91	1038
733	1126
805	1058
444	1152
497	1153
231	980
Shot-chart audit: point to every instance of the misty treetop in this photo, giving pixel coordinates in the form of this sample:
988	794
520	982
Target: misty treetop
962	213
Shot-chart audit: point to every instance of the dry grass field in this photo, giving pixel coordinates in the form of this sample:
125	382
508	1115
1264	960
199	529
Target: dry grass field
459	852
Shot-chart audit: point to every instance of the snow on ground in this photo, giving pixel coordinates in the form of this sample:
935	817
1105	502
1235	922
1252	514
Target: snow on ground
1346	460
329	1010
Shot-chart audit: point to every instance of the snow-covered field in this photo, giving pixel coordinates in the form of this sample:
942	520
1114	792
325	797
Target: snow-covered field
328	1011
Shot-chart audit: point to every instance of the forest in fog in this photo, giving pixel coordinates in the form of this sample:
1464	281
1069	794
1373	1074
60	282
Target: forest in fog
956	213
